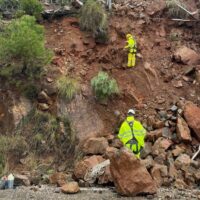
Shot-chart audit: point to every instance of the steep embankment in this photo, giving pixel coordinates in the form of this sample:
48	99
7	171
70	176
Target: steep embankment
152	84
156	83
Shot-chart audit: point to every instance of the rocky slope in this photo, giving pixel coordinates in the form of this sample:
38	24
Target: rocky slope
165	78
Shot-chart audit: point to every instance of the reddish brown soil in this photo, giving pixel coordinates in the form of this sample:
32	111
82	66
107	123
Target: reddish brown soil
140	87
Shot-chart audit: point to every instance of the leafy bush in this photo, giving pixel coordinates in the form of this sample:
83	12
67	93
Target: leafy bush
93	17
31	7
67	87
22	48
175	10
104	86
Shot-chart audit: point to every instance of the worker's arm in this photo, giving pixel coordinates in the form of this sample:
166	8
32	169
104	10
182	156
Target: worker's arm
127	45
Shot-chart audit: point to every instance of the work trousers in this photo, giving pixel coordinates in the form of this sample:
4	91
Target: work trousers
131	59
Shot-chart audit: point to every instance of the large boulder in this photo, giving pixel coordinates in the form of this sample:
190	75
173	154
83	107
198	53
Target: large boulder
106	177
95	146
192	116
186	55
129	175
22	180
83	166
84	119
183	130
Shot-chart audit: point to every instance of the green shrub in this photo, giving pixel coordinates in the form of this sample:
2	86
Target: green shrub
15	144
104	86
30	91
31	7
9	5
22	48
175	10
2	163
174	36
22	7
67	87
101	37
93	17
45	134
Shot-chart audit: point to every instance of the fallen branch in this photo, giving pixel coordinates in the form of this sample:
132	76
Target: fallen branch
196	154
185	20
190	13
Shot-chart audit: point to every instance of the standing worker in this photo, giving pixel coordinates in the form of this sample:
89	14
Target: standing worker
131	46
132	134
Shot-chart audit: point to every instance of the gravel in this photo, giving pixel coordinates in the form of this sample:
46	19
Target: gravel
52	193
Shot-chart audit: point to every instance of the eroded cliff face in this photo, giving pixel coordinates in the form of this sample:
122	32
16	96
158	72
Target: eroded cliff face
12	109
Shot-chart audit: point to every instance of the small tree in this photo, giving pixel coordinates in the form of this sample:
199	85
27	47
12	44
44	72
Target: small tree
104	86
31	7
93	18
22	48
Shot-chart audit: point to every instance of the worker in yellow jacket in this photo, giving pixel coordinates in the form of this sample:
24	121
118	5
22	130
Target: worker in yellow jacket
131	46
132	134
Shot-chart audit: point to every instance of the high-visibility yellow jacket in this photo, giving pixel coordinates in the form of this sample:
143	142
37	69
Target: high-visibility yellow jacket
132	134
131	45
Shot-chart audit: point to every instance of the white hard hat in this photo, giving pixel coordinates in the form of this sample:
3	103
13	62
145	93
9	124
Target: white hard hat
131	111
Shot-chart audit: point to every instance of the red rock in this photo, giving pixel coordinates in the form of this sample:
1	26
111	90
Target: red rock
117	143
180	184
161	145
187	56
95	146
183	130
57	61
177	151
70	188
197	175
192	116
44	98
129	175
146	150
106	177
82	167
161	157
182	161
158	172
58	178
148	162
156	7
154	135
172	171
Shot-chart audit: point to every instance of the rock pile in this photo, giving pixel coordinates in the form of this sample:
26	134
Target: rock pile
165	160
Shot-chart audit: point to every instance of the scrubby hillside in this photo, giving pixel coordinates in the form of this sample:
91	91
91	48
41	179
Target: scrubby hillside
49	104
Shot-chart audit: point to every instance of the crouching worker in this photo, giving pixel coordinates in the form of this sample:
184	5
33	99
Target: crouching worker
132	134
